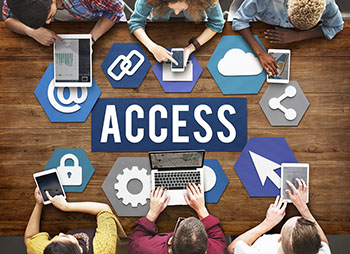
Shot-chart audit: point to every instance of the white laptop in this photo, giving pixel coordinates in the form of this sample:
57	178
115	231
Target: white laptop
73	61
174	170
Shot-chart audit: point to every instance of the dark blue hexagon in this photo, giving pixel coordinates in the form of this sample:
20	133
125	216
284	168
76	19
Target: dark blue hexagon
250	84
214	194
87	170
126	65
74	104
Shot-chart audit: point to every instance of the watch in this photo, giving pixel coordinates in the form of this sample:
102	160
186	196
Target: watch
195	43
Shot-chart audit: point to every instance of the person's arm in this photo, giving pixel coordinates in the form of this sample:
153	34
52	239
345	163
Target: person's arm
274	215
267	61
194	197
101	27
42	35
284	35
299	197
84	207
33	226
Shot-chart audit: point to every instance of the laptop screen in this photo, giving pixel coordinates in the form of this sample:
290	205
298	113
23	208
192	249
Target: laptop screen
176	159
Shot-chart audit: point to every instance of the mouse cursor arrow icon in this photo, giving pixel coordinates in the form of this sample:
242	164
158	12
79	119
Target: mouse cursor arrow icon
265	168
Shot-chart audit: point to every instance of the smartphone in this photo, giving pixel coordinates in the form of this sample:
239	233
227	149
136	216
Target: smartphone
178	55
282	57
48	180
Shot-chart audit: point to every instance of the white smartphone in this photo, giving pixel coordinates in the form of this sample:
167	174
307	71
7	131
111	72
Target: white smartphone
178	55
291	171
49	180
282	57
73	61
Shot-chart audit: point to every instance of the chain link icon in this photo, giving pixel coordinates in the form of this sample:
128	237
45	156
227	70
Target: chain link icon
125	65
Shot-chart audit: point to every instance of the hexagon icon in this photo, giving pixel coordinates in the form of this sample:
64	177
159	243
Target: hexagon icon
251	79
284	104
259	165
133	186
73	166
179	86
215	181
126	65
65	104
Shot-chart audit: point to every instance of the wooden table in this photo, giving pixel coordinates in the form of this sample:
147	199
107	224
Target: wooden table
28	139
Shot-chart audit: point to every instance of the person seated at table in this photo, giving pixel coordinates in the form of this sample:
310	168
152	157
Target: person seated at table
162	10
28	17
299	235
310	18
102	240
191	235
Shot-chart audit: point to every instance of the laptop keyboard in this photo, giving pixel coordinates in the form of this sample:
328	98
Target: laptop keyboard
176	180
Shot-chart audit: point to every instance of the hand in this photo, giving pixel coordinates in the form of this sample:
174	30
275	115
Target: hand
299	196
187	52
281	35
58	201
276	212
195	199
162	54
159	201
38	198
268	63
44	36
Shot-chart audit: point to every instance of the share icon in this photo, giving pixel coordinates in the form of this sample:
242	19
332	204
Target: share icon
275	103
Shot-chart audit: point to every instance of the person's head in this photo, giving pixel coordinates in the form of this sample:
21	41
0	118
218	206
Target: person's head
194	9
305	14
63	244
33	13
190	237
300	236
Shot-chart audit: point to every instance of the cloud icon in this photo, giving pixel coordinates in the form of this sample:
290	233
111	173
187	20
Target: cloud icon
238	63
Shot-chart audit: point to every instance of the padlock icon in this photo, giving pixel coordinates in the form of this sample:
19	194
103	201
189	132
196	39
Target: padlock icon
70	175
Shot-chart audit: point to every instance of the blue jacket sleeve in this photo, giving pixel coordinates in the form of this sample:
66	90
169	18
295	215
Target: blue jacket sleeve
332	21
139	17
215	19
247	12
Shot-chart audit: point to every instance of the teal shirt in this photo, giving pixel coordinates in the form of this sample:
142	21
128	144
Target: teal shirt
215	20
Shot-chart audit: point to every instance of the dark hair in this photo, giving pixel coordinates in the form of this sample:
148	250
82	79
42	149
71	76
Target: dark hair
303	238
32	13
195	8
62	248
190	237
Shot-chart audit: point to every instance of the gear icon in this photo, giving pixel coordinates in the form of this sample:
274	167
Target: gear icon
121	186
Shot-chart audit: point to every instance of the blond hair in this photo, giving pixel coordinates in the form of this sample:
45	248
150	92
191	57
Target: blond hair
305	14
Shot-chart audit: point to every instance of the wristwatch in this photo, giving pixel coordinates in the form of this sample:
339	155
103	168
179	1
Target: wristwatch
195	43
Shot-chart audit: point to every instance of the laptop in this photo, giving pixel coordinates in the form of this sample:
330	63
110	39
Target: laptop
174	170
73	61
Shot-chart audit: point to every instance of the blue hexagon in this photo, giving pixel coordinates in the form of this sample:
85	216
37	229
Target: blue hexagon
235	84
259	165
74	175
65	104
214	194
126	65
178	86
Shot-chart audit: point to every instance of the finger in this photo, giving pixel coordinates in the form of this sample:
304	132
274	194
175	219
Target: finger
300	184
292	186
48	195
157	191
276	201
303	182
190	189
280	202
57	37
195	187
289	194
284	206
272	69
200	189
186	198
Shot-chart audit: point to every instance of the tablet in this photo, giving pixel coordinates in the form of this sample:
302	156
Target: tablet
48	180
73	61
291	171
282	57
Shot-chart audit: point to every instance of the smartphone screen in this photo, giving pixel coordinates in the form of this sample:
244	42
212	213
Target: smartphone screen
49	183
179	57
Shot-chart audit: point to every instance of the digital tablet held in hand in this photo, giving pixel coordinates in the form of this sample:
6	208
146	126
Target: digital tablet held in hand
282	57
290	172
49	180
178	55
73	61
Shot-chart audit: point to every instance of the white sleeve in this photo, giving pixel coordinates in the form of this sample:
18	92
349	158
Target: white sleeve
243	248
324	249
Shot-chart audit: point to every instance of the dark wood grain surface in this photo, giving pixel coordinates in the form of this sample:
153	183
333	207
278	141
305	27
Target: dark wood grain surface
28	139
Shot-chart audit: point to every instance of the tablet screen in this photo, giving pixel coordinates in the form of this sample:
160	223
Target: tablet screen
49	183
291	173
282	60
72	60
